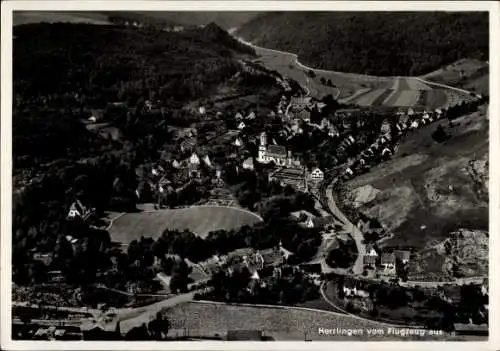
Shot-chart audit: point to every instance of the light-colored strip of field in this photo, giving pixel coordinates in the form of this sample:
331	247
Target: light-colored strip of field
354	96
395	88
407	98
368	99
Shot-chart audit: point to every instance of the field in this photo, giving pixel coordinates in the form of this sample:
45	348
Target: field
200	220
425	191
357	89
290	324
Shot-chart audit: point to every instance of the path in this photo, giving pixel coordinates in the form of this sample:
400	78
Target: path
349	228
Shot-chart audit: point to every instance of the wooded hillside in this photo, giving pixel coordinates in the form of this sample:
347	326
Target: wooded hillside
374	43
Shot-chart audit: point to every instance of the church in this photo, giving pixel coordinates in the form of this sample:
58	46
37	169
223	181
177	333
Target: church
276	153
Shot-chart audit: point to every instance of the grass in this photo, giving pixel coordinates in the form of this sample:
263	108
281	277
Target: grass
415	189
282	324
200	220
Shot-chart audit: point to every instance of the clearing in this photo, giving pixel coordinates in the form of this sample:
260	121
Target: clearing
200	220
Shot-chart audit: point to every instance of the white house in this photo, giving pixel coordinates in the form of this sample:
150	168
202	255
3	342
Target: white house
370	251
349	171
154	171
251	115
77	210
317	174
202	110
238	116
241	125
248	163
92	119
194	159
414	125
175	164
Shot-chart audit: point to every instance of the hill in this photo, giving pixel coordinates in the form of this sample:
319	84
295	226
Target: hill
467	74
224	19
377	43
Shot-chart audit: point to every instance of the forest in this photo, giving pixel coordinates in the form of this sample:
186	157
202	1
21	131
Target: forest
376	43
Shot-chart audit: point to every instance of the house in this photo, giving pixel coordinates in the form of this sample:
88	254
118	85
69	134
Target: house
403	256
414	125
304	115
354	288
369	261
410	112
176	164
388	262
300	102
248	164
92	119
194	159
370	251
188	144
251	115
309	223
386	127
451	294
349	172
238	142
202	110
386	152
241	125
78	210
317	174
238	116
207	161
45	258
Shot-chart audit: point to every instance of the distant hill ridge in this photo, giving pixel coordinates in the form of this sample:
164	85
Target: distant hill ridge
376	43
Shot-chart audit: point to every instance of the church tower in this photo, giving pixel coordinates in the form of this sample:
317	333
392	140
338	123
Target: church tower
262	148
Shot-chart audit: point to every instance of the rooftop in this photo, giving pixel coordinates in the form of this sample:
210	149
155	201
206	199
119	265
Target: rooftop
276	150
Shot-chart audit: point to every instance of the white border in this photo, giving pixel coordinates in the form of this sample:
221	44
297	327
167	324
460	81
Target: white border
6	163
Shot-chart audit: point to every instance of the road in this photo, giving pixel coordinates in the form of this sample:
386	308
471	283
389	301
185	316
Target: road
349	228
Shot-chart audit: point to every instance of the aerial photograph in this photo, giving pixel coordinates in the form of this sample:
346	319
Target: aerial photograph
250	176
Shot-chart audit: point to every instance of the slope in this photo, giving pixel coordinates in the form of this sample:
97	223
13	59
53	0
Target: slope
372	43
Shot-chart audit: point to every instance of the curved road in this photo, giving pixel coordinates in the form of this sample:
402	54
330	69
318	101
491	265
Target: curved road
349	228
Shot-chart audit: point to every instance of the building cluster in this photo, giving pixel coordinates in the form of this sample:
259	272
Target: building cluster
385	263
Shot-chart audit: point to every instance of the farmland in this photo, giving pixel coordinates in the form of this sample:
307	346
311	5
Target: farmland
363	90
200	220
425	191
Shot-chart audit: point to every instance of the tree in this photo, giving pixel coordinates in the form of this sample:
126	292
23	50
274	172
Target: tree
329	83
323	80
439	135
